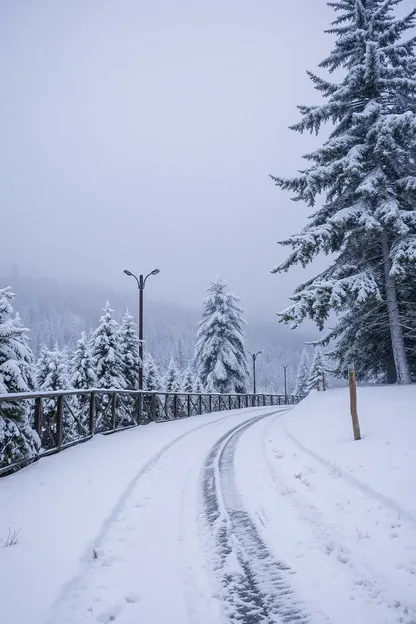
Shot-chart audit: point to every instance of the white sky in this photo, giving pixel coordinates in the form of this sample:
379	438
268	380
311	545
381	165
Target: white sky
141	134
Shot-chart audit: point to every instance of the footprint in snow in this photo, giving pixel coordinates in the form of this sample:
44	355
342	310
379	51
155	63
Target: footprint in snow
132	597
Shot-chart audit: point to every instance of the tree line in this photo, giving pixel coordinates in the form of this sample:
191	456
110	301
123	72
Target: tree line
108	358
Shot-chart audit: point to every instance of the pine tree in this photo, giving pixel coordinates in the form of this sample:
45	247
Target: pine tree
130	350
172	381
152	378
82	365
53	373
82	378
302	377
317	372
188	381
107	354
365	171
198	386
220	350
18	440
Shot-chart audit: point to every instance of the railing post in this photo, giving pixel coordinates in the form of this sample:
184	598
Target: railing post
92	413
175	406
189	405
210	403
139	408
229	402
200	404
38	415
153	414
239	401
113	410
246	400
264	400
59	410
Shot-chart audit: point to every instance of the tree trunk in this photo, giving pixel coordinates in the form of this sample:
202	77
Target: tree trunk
396	332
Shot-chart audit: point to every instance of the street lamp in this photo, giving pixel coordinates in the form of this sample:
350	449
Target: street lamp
254	357
285	367
141	282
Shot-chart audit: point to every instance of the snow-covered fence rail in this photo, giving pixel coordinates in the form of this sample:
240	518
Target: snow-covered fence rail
64	418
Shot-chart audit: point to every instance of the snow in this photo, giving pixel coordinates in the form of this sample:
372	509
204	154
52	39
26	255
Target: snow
261	516
341	513
65	505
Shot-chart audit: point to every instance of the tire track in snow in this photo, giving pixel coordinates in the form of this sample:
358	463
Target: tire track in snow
254	586
88	555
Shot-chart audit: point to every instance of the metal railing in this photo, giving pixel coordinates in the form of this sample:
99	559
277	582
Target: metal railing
68	417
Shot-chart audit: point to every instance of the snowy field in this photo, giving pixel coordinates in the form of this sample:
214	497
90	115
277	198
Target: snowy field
254	516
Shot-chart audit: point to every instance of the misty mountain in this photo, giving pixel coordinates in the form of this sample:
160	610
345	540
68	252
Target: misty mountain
58	312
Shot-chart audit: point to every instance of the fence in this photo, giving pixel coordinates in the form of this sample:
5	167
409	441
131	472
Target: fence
64	418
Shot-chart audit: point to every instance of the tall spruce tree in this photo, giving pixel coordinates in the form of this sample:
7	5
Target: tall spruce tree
220	354
82	365
53	374
107	353
317	372
198	386
365	171
130	352
302	377
188	380
18	440
172	381
152	379
82	378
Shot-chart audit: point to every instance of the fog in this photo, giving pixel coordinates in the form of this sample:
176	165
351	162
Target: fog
141	134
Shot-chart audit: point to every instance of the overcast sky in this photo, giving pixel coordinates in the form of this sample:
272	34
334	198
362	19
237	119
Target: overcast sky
140	134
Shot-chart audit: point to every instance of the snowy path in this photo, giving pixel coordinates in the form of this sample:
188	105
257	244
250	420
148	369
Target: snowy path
149	562
220	519
254	587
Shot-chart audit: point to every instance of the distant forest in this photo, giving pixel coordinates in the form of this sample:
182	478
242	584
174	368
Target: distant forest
58	312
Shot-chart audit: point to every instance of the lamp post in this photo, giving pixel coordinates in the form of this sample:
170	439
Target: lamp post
254	357
285	367
141	282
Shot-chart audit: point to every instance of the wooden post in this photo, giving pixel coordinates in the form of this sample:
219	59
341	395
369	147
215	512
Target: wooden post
353	405
323	382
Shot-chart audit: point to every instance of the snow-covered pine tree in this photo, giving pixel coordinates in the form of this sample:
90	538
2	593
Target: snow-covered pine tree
172	381
365	172
82	378
130	350
82	365
318	371
198	386
188	381
107	355
302	378
18	440
220	354
152	380
53	374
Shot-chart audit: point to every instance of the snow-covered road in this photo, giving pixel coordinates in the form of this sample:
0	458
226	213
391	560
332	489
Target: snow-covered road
179	547
219	519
